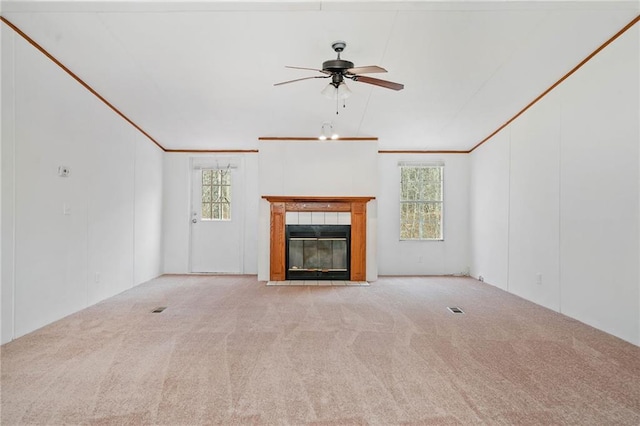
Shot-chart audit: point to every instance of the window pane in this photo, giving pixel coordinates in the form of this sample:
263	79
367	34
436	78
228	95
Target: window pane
413	191
422	175
434	173
206	177
206	210
431	219
409	221
225	177
410	187
225	193
226	211
206	194
215	211
432	192
403	191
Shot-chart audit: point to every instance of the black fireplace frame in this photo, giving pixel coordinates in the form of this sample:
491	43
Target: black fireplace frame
318	231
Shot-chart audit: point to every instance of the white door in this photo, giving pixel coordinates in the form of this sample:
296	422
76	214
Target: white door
216	220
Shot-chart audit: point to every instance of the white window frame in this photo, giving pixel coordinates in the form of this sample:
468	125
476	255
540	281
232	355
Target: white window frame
401	166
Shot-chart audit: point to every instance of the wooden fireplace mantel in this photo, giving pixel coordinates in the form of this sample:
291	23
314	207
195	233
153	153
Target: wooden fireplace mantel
357	206
294	199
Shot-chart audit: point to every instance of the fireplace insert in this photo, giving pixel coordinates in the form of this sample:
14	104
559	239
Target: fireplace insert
318	252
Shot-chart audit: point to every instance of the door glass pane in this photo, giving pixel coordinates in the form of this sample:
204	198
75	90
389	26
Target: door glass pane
225	212
206	210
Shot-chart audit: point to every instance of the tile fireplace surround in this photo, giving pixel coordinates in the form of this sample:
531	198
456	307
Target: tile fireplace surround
356	206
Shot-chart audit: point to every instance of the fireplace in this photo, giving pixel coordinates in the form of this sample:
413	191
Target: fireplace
355	207
318	252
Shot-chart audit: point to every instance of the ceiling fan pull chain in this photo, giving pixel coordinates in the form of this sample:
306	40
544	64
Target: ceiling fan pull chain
337	102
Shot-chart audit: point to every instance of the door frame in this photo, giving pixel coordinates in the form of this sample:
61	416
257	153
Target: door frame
198	163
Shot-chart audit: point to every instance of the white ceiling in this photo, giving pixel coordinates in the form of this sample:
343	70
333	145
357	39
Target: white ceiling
200	75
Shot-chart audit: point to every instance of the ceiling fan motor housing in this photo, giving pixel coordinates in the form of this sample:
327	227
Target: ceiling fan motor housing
336	65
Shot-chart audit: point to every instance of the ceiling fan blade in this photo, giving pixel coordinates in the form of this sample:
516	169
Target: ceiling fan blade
370	69
300	79
309	69
377	82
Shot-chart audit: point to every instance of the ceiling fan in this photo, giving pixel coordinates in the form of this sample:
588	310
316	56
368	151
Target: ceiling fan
339	69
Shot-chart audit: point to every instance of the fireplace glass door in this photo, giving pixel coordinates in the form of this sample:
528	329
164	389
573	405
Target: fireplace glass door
318	252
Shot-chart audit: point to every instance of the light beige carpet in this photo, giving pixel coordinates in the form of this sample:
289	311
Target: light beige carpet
230	350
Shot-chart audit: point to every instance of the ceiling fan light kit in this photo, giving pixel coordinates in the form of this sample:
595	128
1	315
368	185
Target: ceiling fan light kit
340	92
326	132
339	69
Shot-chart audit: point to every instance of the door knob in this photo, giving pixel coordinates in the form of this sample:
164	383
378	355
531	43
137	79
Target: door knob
194	220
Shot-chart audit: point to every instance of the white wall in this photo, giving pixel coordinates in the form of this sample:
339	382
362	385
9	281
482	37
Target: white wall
2	83
176	213
534	205
148	247
323	168
177	210
563	180
489	211
450	256
81	238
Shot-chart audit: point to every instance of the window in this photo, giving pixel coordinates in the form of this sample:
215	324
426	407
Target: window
216	194
421	202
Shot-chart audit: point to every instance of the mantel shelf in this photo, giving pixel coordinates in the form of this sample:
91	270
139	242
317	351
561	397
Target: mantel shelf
313	199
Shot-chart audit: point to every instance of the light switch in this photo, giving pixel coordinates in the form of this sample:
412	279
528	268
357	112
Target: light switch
63	171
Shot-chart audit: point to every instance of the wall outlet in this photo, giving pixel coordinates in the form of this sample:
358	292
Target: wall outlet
539	278
96	277
66	209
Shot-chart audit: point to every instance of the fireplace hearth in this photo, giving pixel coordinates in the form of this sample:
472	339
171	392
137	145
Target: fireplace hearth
318	252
